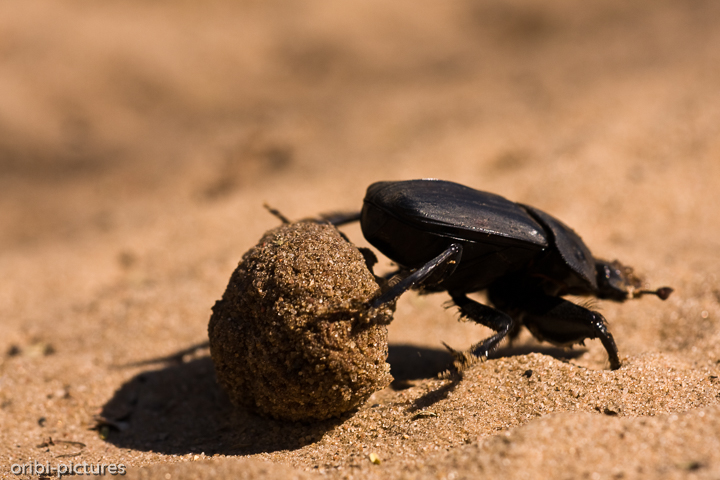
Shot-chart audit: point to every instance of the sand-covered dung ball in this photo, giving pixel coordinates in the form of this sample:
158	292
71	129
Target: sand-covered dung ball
292	337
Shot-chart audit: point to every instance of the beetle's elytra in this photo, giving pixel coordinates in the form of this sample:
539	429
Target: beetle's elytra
448	237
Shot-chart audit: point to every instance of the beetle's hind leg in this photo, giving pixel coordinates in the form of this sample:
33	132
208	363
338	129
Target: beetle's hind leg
499	321
340	218
443	265
564	323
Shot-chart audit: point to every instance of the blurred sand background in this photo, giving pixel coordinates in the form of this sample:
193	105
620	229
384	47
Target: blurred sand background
139	141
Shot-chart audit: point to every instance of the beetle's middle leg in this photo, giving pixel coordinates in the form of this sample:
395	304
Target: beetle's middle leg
501	322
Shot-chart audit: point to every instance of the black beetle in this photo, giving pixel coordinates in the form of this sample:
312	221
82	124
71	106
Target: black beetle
448	237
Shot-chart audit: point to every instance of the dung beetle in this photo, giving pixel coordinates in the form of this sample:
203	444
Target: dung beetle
448	237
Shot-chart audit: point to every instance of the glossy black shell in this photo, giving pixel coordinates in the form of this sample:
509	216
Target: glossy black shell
413	221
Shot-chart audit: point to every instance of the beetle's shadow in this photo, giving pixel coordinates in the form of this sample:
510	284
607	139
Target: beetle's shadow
180	408
555	352
409	362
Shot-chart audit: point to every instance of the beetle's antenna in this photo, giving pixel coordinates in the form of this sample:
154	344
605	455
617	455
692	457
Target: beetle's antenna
277	213
663	293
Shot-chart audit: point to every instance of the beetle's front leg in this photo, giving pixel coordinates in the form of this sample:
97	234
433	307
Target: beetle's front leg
564	323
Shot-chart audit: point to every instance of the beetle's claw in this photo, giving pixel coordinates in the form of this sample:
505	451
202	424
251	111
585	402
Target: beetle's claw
663	292
462	360
449	348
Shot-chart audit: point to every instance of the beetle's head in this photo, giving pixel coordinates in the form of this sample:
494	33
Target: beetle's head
618	282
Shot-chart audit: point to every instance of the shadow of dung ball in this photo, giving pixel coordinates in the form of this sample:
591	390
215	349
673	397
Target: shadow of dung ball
292	337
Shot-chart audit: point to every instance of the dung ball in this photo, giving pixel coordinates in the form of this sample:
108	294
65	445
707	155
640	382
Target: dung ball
293	337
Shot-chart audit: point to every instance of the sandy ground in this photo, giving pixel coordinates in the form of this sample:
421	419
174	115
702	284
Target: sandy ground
139	140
